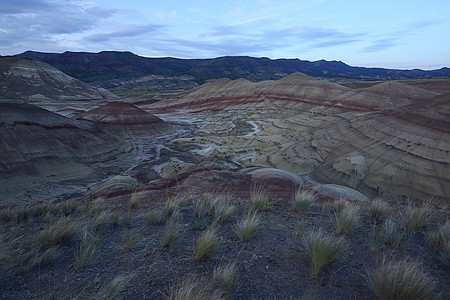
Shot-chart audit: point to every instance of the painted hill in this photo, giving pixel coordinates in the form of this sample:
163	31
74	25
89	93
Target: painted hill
30	79
38	146
126	120
391	139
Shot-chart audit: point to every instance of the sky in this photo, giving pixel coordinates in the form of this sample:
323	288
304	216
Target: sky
401	34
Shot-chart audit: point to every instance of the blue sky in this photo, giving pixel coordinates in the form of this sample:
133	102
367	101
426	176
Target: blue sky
392	34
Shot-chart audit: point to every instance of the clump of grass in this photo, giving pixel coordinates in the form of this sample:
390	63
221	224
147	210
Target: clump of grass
85	251
414	218
204	205
60	233
135	197
104	220
153	217
246	228
400	280
444	254
322	249
194	288
225	279
23	261
303	200
300	228
115	287
223	210
206	245
438	238
170	206
340	204
392	234
172	229
259	199
377	209
130	241
346	219
126	220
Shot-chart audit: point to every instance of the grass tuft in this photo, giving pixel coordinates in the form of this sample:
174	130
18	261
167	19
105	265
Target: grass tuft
206	245
400	280
60	233
414	218
322	249
346	219
153	217
104	220
246	228
172	229
84	253
115	287
259	199
303	200
377	209
194	288
392	234
130	241
300	228
438	238
225	279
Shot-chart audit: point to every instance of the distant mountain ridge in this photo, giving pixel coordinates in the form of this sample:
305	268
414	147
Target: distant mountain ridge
99	68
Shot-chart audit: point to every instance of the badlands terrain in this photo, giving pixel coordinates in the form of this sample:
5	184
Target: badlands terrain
93	182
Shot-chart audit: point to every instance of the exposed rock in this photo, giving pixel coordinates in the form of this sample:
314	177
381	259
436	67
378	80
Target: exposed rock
334	191
126	120
30	79
39	146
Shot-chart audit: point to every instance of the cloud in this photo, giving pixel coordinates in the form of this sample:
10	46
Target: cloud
36	24
130	32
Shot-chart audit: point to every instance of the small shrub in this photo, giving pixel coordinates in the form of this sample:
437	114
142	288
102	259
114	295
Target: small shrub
414	218
346	219
206	245
84	253
246	228
115	287
194	288
322	249
303	200
60	233
400	280
392	234
153	217
259	199
377	209
225	279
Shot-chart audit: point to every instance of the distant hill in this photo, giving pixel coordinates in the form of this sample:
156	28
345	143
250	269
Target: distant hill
111	68
31	79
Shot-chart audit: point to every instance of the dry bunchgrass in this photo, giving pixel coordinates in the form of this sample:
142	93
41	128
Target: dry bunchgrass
322	249
194	288
115	287
400	280
300	228
340	204
346	219
377	209
24	260
85	251
259	199
438	238
154	217
392	233
414	218
223	210
303	200
225	279
60	233
206	245
246	228
104	220
130	241
172	230
136	196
